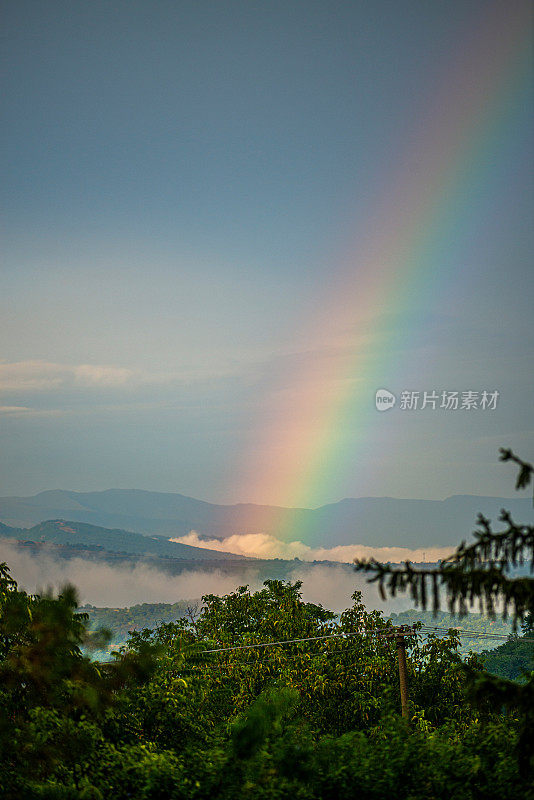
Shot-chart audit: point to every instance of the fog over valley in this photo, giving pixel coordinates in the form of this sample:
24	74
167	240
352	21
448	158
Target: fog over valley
104	584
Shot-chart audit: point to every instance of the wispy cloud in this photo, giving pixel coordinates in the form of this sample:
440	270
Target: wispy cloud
14	409
95	375
30	376
27	411
38	376
263	545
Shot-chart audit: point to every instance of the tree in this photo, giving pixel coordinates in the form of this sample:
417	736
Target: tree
313	715
52	695
481	572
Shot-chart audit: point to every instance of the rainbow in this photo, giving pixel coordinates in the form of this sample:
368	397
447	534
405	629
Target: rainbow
299	446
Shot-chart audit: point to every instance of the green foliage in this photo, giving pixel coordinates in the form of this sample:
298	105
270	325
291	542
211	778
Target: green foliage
257	696
305	719
513	660
52	695
262	720
481	572
472	623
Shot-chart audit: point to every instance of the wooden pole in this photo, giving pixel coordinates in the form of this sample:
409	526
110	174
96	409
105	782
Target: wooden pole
403	675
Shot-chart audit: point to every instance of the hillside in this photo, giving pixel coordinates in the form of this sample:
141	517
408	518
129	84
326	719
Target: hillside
377	521
46	558
120	621
82	535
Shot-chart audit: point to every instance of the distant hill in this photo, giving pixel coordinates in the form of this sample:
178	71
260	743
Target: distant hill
9	531
120	621
49	559
377	521
81	535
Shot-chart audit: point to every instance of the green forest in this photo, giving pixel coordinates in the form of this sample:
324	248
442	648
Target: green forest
314	718
262	695
121	621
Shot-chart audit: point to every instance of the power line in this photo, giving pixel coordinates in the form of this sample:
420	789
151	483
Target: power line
282	641
286	658
293	657
386	632
473	634
399	634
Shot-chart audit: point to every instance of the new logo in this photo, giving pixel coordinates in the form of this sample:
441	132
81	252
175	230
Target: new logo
384	400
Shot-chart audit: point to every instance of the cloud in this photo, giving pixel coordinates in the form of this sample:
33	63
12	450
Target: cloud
91	375
14	409
103	584
27	411
45	376
350	552
42	376
263	545
259	545
106	585
31	376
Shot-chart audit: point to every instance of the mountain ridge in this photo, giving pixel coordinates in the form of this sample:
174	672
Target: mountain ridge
373	521
69	532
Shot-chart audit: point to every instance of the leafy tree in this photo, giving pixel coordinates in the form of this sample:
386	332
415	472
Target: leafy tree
515	658
258	696
481	572
52	694
313	719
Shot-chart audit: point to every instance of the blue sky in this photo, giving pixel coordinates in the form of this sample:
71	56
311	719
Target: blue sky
181	182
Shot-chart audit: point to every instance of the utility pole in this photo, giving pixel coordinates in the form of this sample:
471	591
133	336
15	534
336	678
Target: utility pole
403	672
398	634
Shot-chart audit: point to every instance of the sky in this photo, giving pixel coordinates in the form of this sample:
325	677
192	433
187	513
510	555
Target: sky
226	225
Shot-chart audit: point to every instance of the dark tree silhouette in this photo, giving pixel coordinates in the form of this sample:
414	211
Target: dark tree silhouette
482	573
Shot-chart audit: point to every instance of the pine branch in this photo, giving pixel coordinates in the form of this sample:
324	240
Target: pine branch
475	573
526	470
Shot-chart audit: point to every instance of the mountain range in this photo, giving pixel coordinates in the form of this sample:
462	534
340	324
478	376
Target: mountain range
92	539
374	521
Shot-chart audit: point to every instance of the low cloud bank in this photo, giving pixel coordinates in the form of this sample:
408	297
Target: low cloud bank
109	585
333	587
263	545
103	584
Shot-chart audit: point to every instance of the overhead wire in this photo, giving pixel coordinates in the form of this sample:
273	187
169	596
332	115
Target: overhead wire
385	632
472	634
282	641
